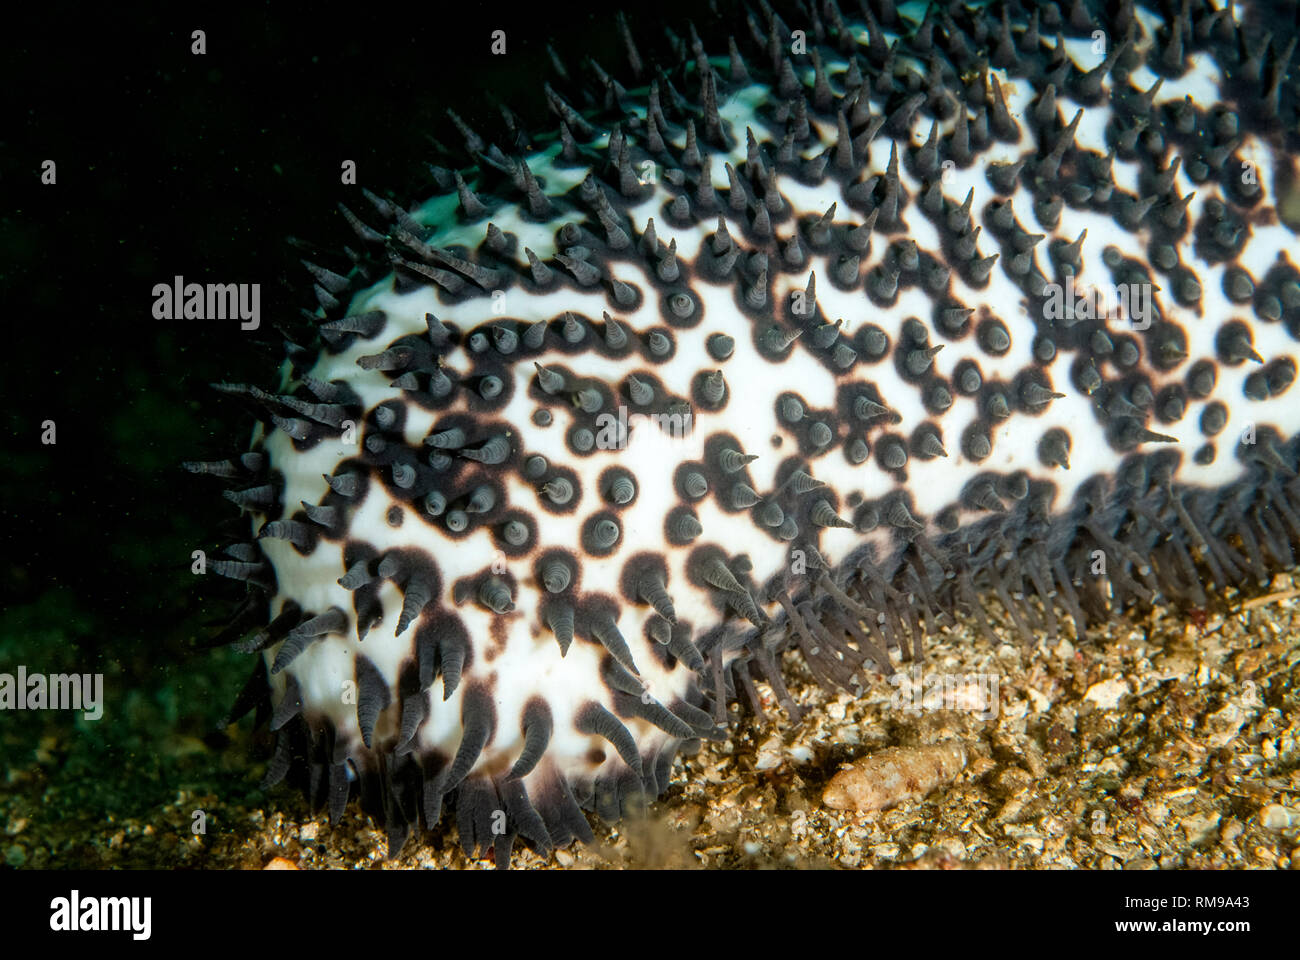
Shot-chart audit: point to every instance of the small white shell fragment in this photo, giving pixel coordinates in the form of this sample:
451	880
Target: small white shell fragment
888	777
1276	817
1107	694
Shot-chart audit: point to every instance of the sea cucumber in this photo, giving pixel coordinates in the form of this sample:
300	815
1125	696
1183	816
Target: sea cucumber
888	777
794	342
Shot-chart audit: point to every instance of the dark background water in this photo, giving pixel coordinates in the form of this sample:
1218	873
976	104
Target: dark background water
203	166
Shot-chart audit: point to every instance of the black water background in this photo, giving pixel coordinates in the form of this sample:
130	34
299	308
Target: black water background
203	166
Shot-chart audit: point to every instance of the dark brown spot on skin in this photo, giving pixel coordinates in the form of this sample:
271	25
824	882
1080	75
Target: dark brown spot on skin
466	589
602	533
1261	216
499	634
509	524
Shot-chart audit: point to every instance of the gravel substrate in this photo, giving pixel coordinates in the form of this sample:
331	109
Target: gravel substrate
1170	742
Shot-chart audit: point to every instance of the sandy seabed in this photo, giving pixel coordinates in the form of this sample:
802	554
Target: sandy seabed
1168	742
